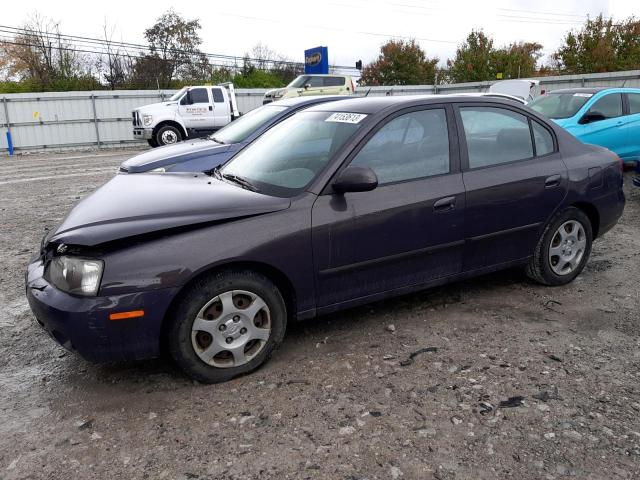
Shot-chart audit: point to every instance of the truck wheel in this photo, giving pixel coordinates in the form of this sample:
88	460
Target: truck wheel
152	142
227	324
168	135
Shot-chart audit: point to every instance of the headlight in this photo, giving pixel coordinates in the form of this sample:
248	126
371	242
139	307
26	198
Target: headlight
147	120
79	276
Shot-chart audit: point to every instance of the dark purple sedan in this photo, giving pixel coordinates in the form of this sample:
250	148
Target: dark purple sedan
339	205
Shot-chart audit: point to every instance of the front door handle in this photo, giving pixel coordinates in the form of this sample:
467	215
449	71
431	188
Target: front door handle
552	181
444	204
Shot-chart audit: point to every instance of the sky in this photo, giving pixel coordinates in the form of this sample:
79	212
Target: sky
351	29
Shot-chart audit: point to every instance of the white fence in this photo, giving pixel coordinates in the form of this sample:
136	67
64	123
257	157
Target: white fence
61	120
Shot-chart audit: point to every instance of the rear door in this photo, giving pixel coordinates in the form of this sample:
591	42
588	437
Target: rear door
513	184
220	105
608	132
405	232
196	109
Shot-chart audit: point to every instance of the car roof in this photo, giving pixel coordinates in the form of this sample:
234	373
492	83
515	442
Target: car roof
372	105
306	100
594	90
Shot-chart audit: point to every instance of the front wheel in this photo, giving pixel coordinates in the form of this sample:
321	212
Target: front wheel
563	250
226	325
168	135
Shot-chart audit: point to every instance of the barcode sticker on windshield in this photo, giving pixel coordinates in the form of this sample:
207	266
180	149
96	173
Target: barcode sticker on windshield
585	95
346	117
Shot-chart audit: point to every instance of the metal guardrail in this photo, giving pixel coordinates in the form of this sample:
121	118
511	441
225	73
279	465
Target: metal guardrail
60	120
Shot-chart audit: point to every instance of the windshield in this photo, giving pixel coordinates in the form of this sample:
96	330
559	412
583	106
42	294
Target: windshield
178	94
560	105
239	130
288	157
299	82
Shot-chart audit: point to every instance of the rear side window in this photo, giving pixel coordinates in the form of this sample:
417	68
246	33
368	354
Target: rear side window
495	135
634	103
542	138
411	146
610	105
218	97
199	95
333	81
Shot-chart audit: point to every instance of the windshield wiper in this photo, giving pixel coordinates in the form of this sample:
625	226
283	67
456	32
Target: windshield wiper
240	181
214	172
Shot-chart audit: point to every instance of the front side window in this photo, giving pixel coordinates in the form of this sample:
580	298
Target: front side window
495	135
610	106
289	156
411	146
199	95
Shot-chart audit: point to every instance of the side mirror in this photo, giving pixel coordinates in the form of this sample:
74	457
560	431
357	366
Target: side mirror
591	117
307	85
355	179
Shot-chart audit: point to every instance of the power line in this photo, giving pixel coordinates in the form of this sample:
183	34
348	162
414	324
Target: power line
87	42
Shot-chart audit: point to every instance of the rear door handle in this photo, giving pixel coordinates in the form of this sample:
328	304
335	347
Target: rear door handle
444	204
552	181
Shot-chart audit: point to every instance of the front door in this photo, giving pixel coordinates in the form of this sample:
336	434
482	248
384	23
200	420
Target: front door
196	109
405	232
607	132
513	184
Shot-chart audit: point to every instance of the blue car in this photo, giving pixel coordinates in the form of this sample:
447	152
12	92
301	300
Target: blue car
204	154
609	117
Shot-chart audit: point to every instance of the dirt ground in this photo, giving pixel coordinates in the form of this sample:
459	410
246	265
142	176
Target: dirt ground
523	382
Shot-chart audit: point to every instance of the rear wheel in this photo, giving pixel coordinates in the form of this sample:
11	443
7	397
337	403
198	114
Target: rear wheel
563	250
227	325
168	135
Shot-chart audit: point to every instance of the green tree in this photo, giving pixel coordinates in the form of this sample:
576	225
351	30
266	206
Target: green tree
600	46
400	63
174	44
516	60
474	60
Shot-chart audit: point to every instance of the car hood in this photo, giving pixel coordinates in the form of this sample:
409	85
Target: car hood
170	154
563	122
155	107
130	205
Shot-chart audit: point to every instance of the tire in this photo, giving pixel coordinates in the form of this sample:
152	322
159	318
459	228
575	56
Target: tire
152	142
168	135
224	304
556	262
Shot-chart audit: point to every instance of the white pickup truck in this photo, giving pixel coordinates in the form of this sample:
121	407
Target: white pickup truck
191	112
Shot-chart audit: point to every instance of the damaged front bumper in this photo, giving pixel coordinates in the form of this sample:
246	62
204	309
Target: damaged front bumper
82	324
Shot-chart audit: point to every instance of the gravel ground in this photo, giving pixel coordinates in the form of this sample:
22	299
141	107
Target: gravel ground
517	380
